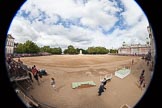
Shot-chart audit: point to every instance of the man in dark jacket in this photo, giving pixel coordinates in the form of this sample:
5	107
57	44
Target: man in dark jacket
101	89
104	83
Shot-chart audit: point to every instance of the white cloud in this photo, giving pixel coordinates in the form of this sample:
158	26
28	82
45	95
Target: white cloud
22	30
99	13
132	12
45	23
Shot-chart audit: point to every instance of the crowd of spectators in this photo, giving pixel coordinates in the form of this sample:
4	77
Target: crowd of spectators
18	72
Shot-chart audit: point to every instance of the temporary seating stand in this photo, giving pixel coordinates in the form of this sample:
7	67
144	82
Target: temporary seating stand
122	73
83	84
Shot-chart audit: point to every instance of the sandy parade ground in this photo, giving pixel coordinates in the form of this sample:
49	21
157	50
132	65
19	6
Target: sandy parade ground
75	68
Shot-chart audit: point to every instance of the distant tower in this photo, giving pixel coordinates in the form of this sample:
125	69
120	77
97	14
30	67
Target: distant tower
124	44
147	41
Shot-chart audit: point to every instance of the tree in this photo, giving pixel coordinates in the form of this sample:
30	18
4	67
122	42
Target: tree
45	49
97	50
70	50
113	51
56	50
31	47
27	47
20	48
90	50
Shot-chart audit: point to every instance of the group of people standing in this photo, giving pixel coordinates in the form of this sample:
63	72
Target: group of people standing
36	74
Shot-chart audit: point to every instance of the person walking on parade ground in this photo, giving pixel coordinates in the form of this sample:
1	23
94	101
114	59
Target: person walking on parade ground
142	74
53	82
100	89
142	79
132	61
142	82
104	83
35	74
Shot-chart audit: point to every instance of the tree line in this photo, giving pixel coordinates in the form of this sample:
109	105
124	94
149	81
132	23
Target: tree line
32	48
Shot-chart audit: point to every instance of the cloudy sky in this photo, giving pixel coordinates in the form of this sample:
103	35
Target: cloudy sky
81	23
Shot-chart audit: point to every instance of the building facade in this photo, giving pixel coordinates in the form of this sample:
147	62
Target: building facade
134	49
152	43
9	44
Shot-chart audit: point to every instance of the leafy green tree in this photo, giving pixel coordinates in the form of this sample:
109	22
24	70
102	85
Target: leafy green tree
51	50
45	49
90	50
66	51
84	51
78	50
113	51
97	50
70	50
56	50
27	47
20	48
31	47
